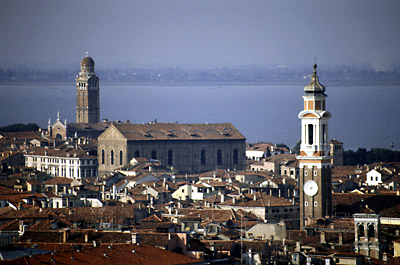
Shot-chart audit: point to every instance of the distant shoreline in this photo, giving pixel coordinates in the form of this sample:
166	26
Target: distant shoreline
283	83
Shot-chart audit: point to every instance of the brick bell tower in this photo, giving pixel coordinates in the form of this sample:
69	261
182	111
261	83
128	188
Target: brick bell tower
314	159
87	93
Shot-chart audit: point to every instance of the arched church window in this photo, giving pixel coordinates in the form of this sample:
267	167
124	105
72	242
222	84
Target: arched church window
120	158
235	157
219	157
102	156
153	154
203	157
170	158
112	157
361	230
137	153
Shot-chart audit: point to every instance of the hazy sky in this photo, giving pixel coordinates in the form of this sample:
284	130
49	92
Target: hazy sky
199	32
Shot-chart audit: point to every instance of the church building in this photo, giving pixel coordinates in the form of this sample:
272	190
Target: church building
190	148
314	160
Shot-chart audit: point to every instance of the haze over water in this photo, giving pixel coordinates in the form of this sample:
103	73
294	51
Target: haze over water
362	116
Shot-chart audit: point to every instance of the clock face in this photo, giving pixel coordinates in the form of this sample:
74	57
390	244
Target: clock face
310	188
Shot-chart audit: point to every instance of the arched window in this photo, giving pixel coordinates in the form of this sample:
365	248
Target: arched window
170	158
120	158
371	231
137	153
112	157
310	134
361	230
153	154
235	157
203	156
219	157
102	156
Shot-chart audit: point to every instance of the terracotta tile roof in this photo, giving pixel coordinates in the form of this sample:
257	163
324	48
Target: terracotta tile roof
152	218
214	183
378	203
219	173
118	254
59	181
87	127
18	198
29	213
262	200
259	146
281	157
211	214
93	215
175	131
65	152
12	225
344	171
5	190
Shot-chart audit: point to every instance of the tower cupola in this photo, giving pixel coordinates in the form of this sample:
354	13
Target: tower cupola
87	65
314	86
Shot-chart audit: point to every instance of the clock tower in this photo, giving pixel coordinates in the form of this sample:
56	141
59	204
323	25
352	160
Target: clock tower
314	159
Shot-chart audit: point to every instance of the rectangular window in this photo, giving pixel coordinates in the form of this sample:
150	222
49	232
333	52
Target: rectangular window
310	105
310	134
318	105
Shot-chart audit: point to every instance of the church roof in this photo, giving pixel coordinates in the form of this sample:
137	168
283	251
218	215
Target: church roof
175	131
82	127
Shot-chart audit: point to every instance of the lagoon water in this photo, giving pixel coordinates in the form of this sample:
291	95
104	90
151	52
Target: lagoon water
362	116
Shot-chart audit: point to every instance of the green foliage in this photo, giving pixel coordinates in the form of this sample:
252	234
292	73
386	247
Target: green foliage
268	153
363	156
296	148
19	127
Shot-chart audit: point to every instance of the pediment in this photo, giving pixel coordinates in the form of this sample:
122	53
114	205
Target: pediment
58	123
112	133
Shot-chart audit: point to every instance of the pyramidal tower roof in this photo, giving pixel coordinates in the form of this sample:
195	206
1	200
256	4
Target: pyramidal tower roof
314	86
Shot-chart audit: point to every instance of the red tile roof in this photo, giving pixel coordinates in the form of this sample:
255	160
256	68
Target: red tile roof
59	181
118	254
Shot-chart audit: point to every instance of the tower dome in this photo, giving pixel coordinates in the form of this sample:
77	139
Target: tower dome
314	86
87	64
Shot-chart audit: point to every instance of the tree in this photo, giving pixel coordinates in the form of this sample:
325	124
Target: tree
296	148
268	152
19	127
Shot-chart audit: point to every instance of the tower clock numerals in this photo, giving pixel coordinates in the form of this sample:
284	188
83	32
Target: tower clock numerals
311	188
